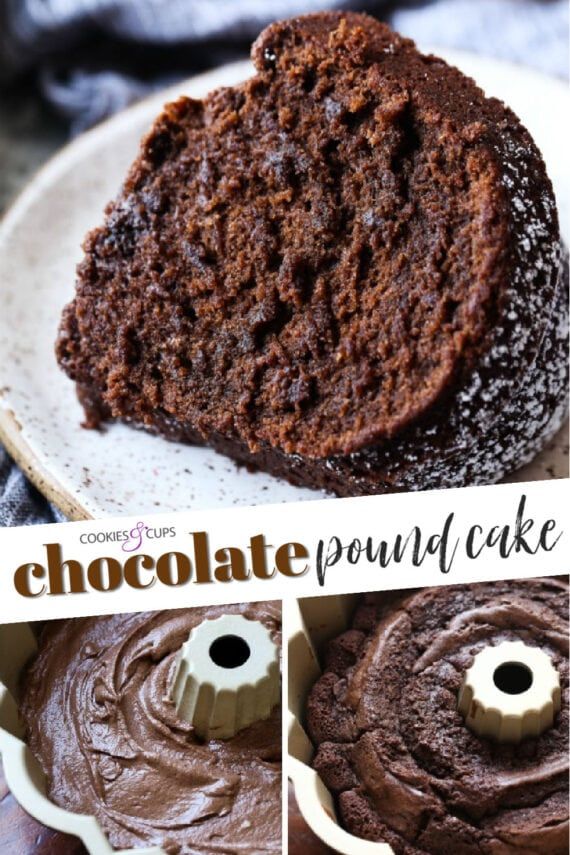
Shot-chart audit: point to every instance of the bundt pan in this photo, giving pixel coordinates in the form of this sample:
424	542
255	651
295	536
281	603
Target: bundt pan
312	622
23	773
505	711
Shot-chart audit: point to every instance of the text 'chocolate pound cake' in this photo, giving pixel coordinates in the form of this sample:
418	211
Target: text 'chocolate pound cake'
345	271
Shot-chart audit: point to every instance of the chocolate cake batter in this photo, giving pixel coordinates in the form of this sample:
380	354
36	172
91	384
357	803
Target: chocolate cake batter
396	753
95	704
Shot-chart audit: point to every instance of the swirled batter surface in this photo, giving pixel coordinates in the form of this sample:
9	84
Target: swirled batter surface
393	748
95	704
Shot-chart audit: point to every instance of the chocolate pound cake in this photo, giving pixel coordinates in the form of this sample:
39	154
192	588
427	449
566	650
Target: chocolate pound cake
396	753
345	271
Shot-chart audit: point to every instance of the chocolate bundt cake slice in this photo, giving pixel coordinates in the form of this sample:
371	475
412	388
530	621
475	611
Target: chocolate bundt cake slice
345	271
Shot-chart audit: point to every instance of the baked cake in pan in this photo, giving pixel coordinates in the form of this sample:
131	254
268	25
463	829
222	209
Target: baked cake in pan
394	750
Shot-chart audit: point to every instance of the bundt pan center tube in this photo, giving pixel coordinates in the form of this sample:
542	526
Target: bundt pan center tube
226	677
345	271
511	692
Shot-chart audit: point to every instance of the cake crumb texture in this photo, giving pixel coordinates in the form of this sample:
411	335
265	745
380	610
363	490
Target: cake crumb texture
352	258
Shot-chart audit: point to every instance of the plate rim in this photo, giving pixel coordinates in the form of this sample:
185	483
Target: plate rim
11	431
34	470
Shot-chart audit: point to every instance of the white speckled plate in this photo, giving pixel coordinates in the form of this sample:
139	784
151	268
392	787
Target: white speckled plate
90	474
